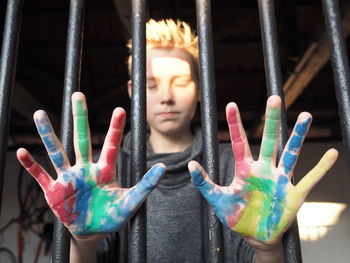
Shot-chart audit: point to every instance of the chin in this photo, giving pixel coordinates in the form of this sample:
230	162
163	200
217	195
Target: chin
170	130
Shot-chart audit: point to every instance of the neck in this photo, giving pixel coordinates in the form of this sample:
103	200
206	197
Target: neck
170	143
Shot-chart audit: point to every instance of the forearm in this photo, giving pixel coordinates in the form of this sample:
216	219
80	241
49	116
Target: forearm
270	255
83	249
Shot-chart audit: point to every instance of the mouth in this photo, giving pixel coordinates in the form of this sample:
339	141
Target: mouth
168	115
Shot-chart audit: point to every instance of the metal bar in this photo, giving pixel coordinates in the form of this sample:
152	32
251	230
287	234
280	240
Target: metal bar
61	238
8	61
214	235
291	242
138	235
340	66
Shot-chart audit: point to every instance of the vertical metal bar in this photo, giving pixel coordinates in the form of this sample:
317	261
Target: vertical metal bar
138	238
291	242
340	65
7	76
61	238
209	122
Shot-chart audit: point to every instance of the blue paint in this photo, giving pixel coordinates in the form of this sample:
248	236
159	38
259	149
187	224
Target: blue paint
152	177
290	156
43	125
82	203
223	204
207	189
301	128
50	143
227	205
288	161
278	201
57	159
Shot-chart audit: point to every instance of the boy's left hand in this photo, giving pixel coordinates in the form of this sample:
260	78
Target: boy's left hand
261	202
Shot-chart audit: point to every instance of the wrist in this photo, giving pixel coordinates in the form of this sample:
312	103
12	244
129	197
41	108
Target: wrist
83	247
270	253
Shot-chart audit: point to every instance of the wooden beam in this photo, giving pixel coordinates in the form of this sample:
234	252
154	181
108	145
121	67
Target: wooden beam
313	60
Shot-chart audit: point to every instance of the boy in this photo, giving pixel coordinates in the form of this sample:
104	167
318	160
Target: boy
260	203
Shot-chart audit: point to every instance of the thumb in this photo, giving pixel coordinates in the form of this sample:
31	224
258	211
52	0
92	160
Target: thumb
203	183
315	175
138	193
151	179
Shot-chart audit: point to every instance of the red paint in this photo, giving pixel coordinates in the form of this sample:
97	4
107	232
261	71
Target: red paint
59	198
62	199
114	139
118	121
34	169
105	175
113	147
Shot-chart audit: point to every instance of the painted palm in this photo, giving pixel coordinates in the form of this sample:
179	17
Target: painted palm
261	202
86	197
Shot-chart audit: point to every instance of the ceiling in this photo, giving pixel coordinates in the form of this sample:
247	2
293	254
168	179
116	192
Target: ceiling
239	65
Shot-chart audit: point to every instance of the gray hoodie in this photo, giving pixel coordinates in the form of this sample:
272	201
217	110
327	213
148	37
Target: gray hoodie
175	208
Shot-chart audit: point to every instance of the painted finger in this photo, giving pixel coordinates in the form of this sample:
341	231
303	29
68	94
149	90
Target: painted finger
240	145
82	145
269	142
316	174
52	144
114	135
39	173
293	146
204	184
137	194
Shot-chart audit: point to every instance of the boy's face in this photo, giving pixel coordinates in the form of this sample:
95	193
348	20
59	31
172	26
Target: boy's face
172	91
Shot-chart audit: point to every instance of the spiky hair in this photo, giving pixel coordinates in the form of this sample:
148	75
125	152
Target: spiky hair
169	34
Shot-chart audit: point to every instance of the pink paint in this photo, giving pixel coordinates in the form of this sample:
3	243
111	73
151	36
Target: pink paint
233	219
238	143
242	167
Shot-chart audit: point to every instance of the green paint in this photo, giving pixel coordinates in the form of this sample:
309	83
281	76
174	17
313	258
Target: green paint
265	168
271	126
259	184
98	208
263	229
82	130
259	192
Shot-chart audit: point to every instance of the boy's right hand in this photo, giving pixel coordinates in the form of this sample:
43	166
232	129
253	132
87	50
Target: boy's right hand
86	197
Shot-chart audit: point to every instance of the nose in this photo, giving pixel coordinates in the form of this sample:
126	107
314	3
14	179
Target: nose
166	94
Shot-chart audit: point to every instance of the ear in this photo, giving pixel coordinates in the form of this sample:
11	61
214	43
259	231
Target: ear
129	88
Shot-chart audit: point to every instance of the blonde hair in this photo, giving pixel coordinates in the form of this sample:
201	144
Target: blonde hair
169	34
